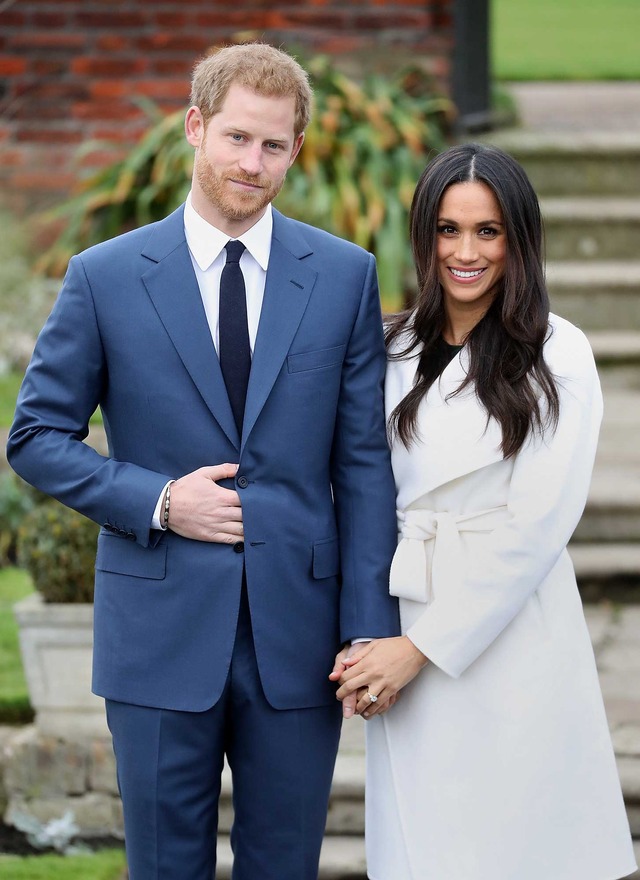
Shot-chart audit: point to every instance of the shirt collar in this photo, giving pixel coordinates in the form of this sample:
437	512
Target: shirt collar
206	241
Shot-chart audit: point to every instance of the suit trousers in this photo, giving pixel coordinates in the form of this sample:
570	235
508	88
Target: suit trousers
169	765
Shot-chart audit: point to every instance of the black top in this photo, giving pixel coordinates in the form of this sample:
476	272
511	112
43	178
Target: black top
445	353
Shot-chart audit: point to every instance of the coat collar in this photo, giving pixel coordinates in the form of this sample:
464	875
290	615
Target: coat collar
171	284
454	436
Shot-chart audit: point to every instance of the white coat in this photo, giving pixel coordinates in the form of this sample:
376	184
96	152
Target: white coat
496	763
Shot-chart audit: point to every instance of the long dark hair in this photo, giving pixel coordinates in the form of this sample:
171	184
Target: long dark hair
506	365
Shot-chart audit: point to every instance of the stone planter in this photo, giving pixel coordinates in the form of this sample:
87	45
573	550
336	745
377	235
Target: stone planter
56	641
46	778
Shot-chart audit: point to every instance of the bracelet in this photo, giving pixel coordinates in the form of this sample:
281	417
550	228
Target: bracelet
167	505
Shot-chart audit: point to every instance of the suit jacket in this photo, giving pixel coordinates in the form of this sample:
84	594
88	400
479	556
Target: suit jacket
128	333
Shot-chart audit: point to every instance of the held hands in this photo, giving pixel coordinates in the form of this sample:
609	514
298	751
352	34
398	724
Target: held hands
204	511
339	667
344	659
381	667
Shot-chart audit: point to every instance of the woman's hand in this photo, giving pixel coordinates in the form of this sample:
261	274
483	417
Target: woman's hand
381	708
381	668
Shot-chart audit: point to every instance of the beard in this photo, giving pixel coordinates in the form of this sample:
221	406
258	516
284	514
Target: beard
234	205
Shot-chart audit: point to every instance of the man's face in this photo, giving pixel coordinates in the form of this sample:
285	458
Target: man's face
242	157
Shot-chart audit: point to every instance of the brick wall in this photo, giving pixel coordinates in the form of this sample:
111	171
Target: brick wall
71	69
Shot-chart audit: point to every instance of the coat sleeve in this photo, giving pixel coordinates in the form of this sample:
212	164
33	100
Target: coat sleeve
546	498
63	386
362	480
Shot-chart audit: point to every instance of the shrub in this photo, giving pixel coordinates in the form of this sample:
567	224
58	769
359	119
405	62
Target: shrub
57	546
17	498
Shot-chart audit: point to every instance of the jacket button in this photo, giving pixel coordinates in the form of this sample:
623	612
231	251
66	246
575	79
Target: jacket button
238	547
243	482
131	536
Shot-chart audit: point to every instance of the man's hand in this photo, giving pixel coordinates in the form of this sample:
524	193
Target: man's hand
381	667
339	667
202	510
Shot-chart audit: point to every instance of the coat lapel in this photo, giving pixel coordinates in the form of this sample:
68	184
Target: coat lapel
455	438
288	288
172	286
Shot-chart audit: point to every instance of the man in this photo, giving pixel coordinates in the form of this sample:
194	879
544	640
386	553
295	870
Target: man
248	519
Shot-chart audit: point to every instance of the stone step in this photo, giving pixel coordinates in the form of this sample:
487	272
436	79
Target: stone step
618	348
342	858
609	571
605	560
612	512
617	467
592	228
576	163
599	296
346	807
611	516
629	770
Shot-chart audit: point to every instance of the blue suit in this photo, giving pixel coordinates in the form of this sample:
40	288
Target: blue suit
128	333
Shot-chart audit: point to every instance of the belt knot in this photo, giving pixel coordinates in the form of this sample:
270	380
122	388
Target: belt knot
410	577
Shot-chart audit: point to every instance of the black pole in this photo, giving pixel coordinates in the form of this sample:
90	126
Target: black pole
471	89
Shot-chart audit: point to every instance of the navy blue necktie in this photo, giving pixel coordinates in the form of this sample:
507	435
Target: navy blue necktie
235	353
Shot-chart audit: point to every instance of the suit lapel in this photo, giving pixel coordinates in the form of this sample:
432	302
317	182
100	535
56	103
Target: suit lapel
288	287
172	286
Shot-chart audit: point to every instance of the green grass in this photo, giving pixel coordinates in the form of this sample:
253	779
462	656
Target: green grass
15	708
105	864
565	39
9	387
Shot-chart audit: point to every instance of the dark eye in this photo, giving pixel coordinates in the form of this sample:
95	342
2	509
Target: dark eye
488	232
445	229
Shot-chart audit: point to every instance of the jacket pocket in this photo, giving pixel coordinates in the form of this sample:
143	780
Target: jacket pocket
326	558
120	556
315	360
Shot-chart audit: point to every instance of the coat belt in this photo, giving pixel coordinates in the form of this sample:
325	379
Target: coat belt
409	577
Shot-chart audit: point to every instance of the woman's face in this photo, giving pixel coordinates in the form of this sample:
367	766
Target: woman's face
471	247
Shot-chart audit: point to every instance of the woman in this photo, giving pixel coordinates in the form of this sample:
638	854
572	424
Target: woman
496	763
